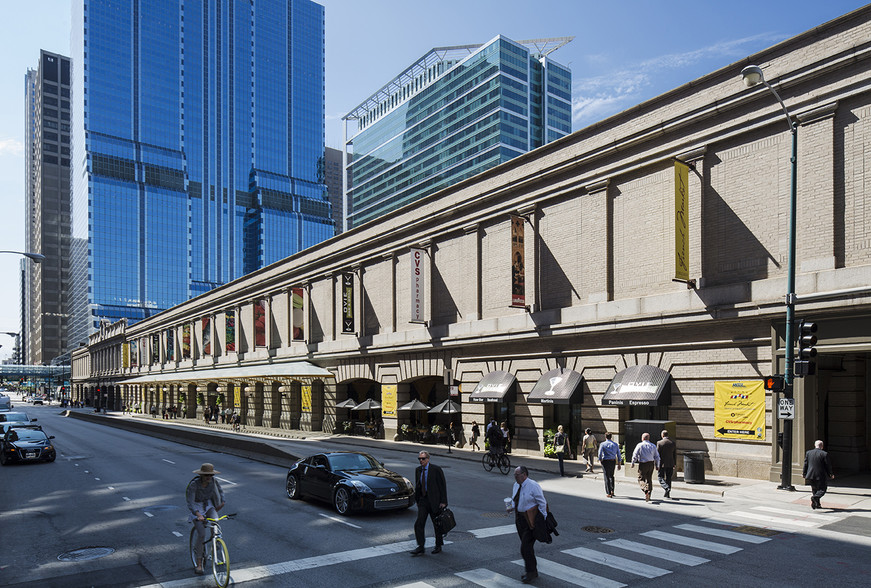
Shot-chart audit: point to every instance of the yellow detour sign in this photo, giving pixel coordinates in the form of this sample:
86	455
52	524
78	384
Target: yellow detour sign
388	400
739	410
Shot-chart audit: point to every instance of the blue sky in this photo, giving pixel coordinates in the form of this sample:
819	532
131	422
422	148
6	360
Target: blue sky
623	53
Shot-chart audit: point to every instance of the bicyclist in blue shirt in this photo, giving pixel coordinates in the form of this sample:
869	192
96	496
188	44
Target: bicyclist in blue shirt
204	499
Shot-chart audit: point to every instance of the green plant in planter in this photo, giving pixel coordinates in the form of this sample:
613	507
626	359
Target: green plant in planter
200	399
405	430
182	397
436	429
219	400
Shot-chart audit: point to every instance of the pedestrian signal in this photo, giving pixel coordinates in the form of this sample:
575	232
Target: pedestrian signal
774	383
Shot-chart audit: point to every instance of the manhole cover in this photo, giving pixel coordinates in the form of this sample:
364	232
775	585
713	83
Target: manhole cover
592	529
160	507
494	515
86	553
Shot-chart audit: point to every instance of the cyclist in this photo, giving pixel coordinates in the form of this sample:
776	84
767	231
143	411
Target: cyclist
496	439
204	499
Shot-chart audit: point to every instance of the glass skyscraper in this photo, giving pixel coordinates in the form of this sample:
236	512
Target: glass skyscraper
198	130
454	113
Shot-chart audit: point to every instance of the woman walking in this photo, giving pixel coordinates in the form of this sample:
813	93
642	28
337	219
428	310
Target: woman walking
561	447
590	448
476	432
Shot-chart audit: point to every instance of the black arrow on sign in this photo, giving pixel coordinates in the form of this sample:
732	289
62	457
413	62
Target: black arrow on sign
723	431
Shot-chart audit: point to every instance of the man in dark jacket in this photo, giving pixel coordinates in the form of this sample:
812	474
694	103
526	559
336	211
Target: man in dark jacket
817	470
431	495
667	458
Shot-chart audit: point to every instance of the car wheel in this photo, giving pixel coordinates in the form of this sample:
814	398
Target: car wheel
293	487
2	458
342	500
52	458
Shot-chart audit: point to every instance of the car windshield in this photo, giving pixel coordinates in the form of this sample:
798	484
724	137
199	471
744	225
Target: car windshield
27	435
352	461
13	416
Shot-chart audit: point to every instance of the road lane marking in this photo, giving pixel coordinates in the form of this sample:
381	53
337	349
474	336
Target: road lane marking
484	577
755	516
795	514
693	542
307	563
167	461
658	552
148	514
723	533
338	520
110	487
177	534
617	562
98	479
493	531
226	481
572	576
125	498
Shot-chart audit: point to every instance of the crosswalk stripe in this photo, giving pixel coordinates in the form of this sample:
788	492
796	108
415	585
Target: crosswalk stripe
723	533
664	554
693	542
572	576
416	585
617	562
793	513
493	531
484	577
755	516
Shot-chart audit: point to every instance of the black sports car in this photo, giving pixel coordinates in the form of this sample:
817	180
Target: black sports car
26	443
351	481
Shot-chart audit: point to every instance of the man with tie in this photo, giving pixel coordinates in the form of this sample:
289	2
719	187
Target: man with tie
431	495
529	501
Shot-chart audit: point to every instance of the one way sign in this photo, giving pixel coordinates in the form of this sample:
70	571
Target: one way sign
786	409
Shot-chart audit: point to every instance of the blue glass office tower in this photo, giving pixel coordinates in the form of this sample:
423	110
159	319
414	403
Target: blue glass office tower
452	114
198	128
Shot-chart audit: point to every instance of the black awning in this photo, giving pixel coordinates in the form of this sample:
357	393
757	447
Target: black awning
639	385
558	386
495	387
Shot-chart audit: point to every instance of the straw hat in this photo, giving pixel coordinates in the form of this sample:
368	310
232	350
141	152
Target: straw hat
207	469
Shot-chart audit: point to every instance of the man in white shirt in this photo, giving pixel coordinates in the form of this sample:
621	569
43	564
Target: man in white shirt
528	502
647	458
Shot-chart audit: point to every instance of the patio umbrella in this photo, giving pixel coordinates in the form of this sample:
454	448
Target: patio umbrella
367	404
348	403
416	406
446	407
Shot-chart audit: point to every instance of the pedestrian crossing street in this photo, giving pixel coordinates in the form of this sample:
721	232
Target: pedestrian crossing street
613	563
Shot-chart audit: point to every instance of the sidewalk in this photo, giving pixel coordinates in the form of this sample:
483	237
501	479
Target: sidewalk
852	493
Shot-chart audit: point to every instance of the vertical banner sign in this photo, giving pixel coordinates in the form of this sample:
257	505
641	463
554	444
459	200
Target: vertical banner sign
298	317
186	341
230	329
518	263
739	410
134	354
125	355
155	348
306	398
236	391
681	222
418	281
260	322
170	345
348	303
388	400
207	335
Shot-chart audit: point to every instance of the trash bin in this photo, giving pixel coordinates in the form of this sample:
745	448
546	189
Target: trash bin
694	467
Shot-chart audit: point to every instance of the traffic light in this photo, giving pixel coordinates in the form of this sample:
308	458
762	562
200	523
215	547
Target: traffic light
804	363
774	383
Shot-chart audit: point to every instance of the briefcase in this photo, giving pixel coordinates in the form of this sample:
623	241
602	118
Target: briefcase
445	520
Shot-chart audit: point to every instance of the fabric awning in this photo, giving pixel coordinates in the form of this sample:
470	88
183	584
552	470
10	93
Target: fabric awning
558	386
495	387
300	370
639	385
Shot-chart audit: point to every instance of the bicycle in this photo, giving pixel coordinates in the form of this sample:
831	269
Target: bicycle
490	460
217	552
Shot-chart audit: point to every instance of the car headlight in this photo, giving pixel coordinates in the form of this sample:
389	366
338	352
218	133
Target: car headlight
361	487
408	483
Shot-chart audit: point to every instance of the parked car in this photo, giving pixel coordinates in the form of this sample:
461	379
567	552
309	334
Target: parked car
22	443
350	481
37	400
7	419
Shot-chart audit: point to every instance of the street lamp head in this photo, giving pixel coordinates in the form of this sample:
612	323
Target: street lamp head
36	257
752	75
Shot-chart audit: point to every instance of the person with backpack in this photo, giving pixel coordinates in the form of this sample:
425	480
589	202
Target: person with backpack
495	438
204	498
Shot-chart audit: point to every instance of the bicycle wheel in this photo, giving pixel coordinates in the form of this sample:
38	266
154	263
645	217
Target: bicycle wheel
193	544
487	461
504	464
221	563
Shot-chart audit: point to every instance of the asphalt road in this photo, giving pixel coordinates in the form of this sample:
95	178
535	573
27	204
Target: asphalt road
123	491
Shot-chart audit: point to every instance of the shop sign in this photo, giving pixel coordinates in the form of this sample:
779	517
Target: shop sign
739	410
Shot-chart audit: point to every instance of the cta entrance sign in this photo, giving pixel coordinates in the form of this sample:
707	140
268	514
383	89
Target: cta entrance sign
786	409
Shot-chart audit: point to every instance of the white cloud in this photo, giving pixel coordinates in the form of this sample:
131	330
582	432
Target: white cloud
598	97
11	147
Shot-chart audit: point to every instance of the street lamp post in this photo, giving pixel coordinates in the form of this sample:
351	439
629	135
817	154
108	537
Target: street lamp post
37	257
752	75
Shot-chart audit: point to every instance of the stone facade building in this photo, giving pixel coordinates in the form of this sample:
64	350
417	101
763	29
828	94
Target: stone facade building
429	299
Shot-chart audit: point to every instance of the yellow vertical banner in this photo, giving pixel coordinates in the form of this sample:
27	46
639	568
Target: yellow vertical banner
306	398
739	410
681	222
388	400
237	396
125	355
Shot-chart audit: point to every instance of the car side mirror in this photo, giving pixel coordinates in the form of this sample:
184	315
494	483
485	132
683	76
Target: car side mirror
51	436
33	420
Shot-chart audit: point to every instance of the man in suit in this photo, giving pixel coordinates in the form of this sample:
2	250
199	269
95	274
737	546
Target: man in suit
667	458
817	470
431	495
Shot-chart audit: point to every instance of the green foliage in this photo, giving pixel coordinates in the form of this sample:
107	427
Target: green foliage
549	434
200	399
436	429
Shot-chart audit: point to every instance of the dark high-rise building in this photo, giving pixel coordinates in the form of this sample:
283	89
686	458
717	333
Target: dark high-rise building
333	181
47	214
199	126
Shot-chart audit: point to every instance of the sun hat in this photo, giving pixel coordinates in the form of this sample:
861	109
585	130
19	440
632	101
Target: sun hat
207	469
